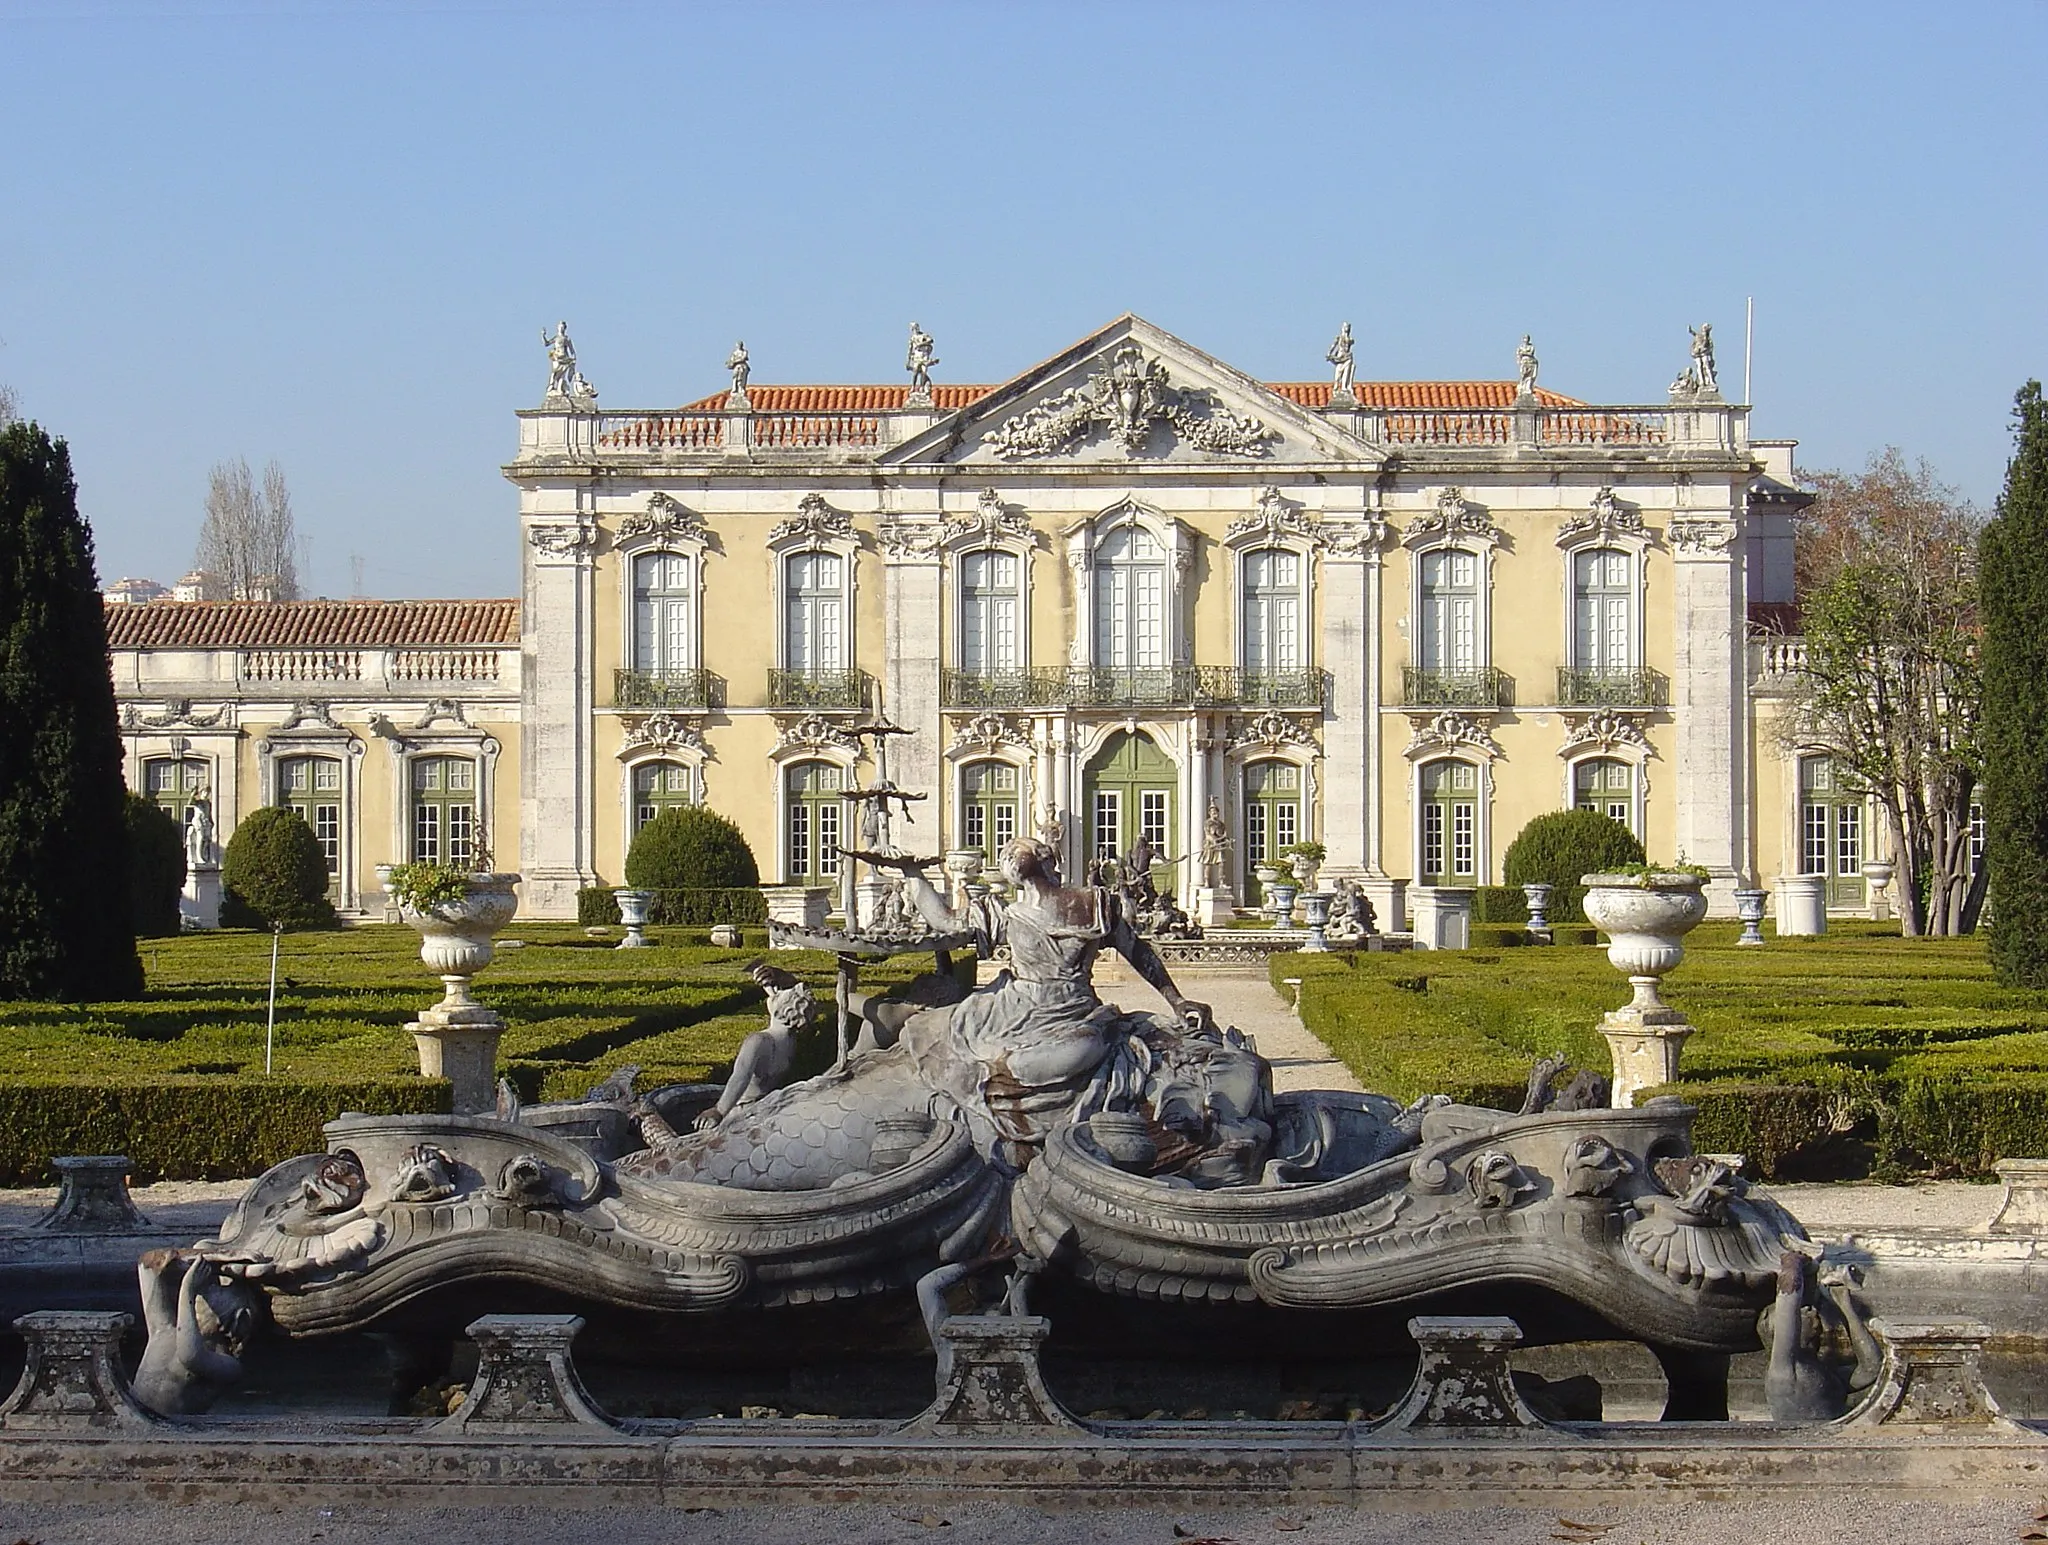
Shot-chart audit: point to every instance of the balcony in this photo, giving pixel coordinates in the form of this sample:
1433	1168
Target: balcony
1480	686
818	689
1173	686
693	687
1612	689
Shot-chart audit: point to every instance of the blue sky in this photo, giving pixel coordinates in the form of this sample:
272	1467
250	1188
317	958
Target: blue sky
332	234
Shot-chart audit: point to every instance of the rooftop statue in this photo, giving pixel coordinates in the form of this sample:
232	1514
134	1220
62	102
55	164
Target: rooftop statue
1703	357
1525	368
919	361
565	381
1339	356
741	367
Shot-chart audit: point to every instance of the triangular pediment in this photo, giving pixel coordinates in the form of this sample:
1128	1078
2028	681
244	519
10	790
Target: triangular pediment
1133	393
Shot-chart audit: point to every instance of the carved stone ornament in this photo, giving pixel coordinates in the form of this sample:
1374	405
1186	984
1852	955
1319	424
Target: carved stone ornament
1607	731
1125	400
814	521
814	732
992	521
1275	520
1454	516
1607	517
663	520
987	732
306	711
1700	537
1451	731
437	710
1270	731
1354	538
571	539
902	538
176	711
665	732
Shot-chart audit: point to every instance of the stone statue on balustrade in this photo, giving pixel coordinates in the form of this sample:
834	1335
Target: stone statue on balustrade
1215	844
1525	368
919	361
200	849
565	381
1703	369
1342	385
741	367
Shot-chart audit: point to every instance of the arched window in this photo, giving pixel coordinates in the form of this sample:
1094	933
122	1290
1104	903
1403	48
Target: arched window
1606	787
311	785
444	810
173	782
988	807
1447	625
1272	643
1603	612
659	786
1272	816
814	613
664	628
1831	830
813	813
1130	600
1450	824
989	611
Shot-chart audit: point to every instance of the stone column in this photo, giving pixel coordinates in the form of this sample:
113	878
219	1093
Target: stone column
910	672
1350	749
557	697
1708	700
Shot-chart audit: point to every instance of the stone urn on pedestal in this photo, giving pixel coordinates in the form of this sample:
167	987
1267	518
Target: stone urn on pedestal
1877	874
1537	895
458	1037
634	906
1645	917
1749	911
1315	916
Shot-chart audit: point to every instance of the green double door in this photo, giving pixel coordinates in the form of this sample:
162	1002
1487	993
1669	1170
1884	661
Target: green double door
1131	792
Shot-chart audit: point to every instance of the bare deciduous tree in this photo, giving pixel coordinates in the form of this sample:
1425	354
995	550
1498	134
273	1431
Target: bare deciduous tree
247	545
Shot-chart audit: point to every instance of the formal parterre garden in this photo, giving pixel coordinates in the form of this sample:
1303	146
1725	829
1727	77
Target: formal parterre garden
176	1080
1854	1054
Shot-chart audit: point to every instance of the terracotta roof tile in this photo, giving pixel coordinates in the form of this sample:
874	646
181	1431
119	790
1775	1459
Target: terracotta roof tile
1422	394
311	624
841	399
948	398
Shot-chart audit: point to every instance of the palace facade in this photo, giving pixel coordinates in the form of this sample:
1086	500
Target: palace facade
1397	618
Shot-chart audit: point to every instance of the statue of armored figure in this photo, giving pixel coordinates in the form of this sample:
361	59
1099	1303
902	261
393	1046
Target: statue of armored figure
1215	839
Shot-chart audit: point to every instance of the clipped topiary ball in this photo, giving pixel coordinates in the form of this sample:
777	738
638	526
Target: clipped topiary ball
156	867
690	847
1562	847
275	872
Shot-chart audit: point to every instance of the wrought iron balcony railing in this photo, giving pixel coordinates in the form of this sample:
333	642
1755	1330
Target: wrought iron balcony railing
1480	686
1172	686
818	689
1612	689
694	687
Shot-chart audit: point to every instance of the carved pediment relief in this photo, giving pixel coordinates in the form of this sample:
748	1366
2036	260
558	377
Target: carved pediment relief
1606	519
663	521
815	523
1130	403
1455	518
1451	731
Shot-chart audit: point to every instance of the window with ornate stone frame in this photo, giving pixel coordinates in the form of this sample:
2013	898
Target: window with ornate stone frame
1271	741
816	744
1130	565
1450	617
1450	797
815	573
661	557
1609	740
1273	557
1604	550
991	761
674	742
310	731
444	730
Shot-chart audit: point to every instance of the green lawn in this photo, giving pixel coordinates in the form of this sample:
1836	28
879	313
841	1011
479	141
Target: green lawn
1907	1041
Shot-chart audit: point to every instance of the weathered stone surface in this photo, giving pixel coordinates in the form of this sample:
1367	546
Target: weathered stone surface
989	1380
1933	1375
92	1197
1463	1382
525	1379
2024	1207
72	1380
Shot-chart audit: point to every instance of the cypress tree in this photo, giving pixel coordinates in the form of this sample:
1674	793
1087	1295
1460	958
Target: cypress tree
65	926
2013	586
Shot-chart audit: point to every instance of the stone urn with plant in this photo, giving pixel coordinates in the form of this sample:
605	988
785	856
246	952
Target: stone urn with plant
1646	911
1305	859
457	910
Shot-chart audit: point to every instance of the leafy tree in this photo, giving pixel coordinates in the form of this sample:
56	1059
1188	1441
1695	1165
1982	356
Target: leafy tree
2013	562
1891	682
275	873
156	868
690	847
1563	847
65	931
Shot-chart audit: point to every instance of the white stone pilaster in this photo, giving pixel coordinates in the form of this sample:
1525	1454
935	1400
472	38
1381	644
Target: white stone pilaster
910	674
558	687
1350	576
1707	699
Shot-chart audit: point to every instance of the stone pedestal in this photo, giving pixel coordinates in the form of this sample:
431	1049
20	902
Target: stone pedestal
868	895
1877	879
465	1052
1802	904
2024	1207
1463	1383
1933	1376
92	1197
199	902
525	1379
1214	906
1443	917
72	1380
1645	1045
801	906
1389	900
989	1381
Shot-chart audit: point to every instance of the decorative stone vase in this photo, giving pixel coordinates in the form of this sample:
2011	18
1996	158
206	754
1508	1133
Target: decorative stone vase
1749	908
1282	895
1125	1138
1315	916
458	1037
1537	894
1645	918
633	909
1877	874
1305	869
965	866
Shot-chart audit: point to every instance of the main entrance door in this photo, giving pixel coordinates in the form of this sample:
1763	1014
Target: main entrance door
1130	786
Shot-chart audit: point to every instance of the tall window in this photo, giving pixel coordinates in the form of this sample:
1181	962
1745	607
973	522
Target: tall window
1831	830
1603	602
1272	816
989	603
1109	823
173	782
1130	600
815	811
664	631
1977	837
815	612
988	807
1450	823
1272	612
1607	787
444	810
659	786
311	785
1447	632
